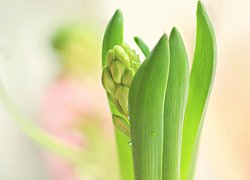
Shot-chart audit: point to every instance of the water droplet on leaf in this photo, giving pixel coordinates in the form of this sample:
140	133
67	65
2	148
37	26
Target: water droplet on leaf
130	143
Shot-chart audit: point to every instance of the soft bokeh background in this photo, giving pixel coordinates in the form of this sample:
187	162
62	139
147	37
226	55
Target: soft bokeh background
29	66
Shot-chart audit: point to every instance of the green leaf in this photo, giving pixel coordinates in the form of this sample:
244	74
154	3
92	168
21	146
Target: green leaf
114	36
125	156
144	48
175	104
146	106
200	85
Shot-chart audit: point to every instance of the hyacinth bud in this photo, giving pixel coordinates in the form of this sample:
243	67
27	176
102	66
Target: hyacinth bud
115	103
128	77
122	56
121	94
107	81
135	65
131	53
117	69
122	125
110	56
122	63
126	47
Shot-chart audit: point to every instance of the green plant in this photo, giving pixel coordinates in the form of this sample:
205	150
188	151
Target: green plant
157	106
159	115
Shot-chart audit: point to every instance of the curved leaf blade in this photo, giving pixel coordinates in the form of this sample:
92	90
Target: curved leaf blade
175	104
201	79
142	45
146	106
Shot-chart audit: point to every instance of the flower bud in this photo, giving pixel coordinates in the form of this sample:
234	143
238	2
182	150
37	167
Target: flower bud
115	103
117	69
122	56
122	63
128	77
131	53
122	125
135	65
126	47
107	81
121	94
110	56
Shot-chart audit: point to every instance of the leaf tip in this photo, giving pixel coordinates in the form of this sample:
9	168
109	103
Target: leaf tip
118	12
163	39
136	38
164	36
174	31
118	16
200	7
199	3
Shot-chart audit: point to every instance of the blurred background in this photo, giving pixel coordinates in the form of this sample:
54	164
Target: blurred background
42	44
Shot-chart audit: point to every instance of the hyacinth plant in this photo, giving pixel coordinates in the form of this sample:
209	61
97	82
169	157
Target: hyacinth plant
157	106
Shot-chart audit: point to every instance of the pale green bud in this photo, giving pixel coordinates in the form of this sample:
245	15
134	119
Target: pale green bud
107	81
135	65
122	56
110	56
117	69
122	63
133	56
115	103
121	94
128	77
126	47
122	125
131	53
